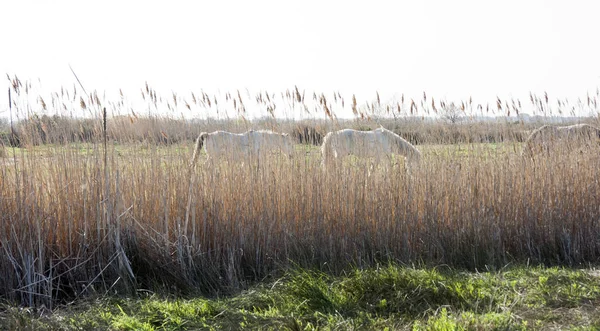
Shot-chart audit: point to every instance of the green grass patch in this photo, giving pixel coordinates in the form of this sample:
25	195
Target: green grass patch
389	297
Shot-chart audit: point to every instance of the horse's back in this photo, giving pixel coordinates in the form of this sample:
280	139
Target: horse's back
549	137
226	143
584	130
360	143
356	135
368	144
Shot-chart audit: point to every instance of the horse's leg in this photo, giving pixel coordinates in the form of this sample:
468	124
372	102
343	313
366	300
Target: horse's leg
408	164
211	164
369	166
376	162
390	160
258	157
326	163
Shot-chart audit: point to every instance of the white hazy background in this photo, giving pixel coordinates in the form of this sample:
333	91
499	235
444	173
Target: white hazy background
449	49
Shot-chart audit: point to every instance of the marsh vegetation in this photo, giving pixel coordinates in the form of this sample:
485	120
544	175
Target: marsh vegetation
100	205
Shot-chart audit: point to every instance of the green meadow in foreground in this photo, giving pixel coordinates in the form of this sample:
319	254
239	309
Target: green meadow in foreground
389	297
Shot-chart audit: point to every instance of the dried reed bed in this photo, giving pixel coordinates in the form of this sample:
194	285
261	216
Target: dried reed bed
75	224
69	231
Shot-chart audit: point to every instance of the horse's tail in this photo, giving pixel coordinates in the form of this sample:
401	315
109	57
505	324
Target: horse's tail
198	147
327	149
528	151
531	147
540	141
534	143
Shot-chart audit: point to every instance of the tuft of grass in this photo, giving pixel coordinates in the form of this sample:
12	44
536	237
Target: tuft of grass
443	320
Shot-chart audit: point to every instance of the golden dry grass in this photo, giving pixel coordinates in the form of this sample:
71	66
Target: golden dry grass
73	225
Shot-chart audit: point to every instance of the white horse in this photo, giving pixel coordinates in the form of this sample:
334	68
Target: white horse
377	143
545	138
247	145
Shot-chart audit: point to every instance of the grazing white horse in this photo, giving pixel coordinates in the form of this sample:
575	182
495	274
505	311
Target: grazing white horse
377	143
545	138
234	146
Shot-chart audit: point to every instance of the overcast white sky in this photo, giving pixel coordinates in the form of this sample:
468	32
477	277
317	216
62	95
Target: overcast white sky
450	49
